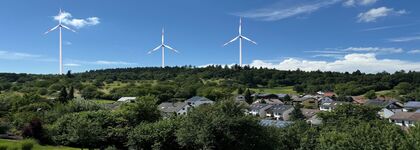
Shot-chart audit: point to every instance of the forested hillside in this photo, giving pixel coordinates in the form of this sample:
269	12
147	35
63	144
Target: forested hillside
215	82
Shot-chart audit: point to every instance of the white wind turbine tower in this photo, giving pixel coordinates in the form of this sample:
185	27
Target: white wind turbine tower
240	37
163	46
59	27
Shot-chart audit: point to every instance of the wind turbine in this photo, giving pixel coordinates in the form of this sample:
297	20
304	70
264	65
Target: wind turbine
59	27
240	37
163	46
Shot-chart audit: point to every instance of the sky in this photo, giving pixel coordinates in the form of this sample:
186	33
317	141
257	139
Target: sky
327	35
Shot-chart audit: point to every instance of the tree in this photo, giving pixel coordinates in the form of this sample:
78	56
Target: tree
370	95
70	96
69	75
403	88
62	97
248	97
142	110
35	130
297	114
240	91
287	99
221	126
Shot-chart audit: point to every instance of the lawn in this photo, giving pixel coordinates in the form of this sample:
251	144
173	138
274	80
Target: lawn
277	90
13	144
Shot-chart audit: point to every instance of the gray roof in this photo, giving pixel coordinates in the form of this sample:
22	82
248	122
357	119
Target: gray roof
280	108
275	123
281	95
326	100
379	103
258	106
197	98
169	107
410	116
412	104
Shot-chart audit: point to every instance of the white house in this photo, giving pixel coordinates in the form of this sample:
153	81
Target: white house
280	112
127	99
169	108
388	107
197	101
405	119
259	109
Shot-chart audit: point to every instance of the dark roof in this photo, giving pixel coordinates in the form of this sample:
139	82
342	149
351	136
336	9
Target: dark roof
259	106
380	103
275	123
412	104
280	108
410	116
197	98
326	100
168	107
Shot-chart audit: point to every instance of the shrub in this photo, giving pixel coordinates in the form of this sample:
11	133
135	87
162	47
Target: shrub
3	147
28	144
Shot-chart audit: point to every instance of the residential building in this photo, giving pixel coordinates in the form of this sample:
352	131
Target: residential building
411	106
405	119
331	105
259	109
169	108
280	112
388	107
197	101
127	99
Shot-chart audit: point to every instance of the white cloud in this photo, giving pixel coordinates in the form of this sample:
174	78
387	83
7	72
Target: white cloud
416	51
376	13
351	62
105	62
359	2
72	65
17	55
279	11
68	19
379	50
405	39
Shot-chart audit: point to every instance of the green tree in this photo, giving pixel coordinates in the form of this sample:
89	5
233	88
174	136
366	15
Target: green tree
370	95
403	88
248	97
62	97
142	110
287	99
70	96
297	114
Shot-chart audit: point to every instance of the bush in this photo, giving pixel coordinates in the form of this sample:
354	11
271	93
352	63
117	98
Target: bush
28	144
3	147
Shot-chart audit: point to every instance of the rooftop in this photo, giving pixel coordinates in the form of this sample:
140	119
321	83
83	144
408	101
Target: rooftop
197	98
410	116
412	104
171	107
280	108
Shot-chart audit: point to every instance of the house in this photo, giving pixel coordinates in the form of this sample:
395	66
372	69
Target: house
411	106
308	101
275	123
329	94
127	99
331	105
309	113
259	109
197	101
405	119
388	107
282	96
270	101
170	108
280	112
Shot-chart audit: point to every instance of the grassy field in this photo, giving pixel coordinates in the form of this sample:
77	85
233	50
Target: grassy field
13	144
277	90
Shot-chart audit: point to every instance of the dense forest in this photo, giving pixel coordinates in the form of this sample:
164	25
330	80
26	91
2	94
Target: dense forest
60	110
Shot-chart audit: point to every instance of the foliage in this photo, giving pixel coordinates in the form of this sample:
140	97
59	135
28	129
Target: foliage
297	113
370	95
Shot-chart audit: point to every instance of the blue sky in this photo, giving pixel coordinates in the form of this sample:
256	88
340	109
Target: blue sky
336	35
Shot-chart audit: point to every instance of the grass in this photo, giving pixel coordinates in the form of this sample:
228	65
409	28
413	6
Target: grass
13	144
277	90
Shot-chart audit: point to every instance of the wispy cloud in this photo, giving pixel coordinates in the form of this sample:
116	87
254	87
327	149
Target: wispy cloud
390	27
281	11
7	55
351	62
77	63
416	51
405	39
380	50
68	19
374	14
359	2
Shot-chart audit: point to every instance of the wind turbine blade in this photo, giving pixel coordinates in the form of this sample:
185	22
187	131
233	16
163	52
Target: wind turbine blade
52	29
171	48
233	40
67	28
154	49
249	40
